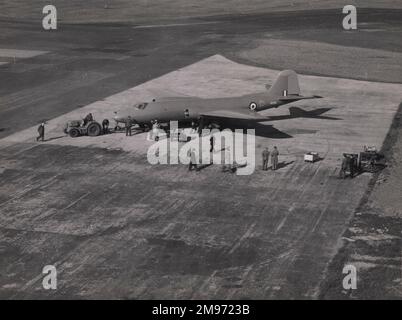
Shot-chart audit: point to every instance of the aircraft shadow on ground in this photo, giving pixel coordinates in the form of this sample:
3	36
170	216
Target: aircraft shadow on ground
261	130
296	112
268	131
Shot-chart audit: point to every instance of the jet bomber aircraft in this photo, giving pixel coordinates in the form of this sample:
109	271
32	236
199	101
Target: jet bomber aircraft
203	111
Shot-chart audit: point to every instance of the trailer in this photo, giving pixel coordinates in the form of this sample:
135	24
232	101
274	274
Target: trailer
349	165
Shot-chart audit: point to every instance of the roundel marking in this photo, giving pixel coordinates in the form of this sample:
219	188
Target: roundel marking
252	106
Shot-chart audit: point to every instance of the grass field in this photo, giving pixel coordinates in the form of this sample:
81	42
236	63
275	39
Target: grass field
140	11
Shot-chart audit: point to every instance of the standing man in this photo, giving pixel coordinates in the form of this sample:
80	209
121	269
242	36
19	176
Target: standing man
212	143
353	165
155	129
193	126
151	132
105	126
41	131
193	159
128	126
228	164
274	158
344	166
265	158
88	118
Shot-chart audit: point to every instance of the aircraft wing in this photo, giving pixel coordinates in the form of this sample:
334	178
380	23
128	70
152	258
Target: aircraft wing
291	98
246	115
165	99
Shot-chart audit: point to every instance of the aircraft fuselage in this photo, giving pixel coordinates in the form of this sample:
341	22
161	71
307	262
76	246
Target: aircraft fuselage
190	109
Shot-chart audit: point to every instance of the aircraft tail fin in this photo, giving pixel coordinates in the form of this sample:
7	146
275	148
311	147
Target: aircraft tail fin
286	84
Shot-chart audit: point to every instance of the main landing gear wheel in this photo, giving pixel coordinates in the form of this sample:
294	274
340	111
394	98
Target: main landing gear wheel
94	129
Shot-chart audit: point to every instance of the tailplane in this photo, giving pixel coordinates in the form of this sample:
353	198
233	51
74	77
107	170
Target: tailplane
286	84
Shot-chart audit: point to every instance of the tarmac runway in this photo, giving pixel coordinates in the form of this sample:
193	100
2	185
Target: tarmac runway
117	227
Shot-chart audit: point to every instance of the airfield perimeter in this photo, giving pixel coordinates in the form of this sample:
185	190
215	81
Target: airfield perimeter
117	227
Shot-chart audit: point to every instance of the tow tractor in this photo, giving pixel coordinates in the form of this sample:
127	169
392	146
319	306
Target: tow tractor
370	160
76	128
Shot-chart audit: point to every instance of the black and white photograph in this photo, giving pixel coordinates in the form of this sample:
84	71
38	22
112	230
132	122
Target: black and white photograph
213	151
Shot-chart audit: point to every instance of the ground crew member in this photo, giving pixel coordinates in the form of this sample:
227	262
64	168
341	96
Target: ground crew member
151	132
265	158
212	143
41	131
105	126
228	165
193	160
88	118
193	126
352	166
344	167
128	127
155	129
274	158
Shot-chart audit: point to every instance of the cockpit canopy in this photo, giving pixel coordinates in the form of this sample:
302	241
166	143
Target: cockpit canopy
141	106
